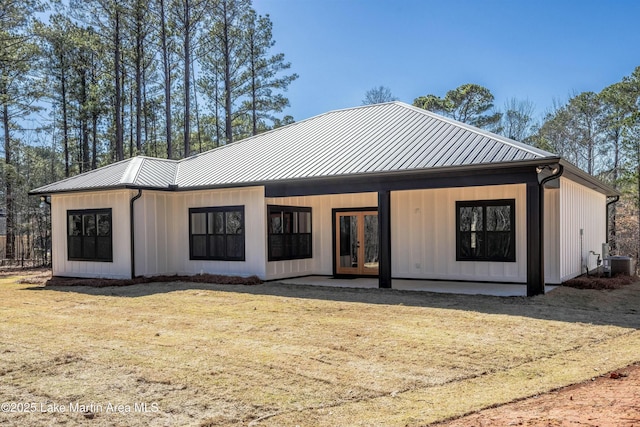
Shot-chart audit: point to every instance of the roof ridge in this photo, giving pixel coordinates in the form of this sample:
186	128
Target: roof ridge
158	158
133	170
503	139
110	165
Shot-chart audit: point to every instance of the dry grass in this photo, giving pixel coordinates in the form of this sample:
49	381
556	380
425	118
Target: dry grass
278	354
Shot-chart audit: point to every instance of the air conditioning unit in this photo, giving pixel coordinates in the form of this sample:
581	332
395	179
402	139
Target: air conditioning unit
621	265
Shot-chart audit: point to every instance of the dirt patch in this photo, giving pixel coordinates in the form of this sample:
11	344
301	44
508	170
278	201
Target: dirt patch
8	271
199	278
609	400
601	282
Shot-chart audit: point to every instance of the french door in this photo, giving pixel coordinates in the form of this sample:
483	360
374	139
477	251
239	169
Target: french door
357	248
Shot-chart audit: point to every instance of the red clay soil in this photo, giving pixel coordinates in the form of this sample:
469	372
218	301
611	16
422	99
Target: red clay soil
609	400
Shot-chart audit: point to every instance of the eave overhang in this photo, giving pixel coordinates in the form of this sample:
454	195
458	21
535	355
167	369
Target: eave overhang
450	176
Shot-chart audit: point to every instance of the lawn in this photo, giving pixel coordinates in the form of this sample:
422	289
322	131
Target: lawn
285	355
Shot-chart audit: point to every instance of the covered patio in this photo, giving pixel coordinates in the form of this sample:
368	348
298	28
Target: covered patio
439	286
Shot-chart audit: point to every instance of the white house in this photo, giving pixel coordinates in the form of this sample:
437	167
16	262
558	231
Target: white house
387	190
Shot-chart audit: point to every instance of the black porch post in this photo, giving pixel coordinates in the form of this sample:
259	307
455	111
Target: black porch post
535	239
384	240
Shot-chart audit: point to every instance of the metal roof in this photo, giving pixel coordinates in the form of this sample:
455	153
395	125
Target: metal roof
134	172
378	138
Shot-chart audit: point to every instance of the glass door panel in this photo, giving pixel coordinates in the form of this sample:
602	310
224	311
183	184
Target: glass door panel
357	243
348	242
370	261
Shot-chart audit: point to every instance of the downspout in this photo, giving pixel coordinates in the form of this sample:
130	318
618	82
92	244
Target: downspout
132	230
551	177
615	200
48	202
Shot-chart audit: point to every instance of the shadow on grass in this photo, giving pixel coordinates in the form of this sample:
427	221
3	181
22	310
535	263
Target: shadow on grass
620	307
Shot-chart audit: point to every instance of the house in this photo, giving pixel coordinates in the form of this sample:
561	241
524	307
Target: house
386	190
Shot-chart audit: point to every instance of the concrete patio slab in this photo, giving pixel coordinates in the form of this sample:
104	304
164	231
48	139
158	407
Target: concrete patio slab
468	288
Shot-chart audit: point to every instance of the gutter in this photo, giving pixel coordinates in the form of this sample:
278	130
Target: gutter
609	203
132	230
411	173
554	174
47	199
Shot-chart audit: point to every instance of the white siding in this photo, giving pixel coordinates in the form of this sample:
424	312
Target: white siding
322	231
118	201
580	209
153	228
423	235
252	198
552	236
423	232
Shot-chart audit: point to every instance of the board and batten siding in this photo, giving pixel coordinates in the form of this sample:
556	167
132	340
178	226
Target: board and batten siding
321	231
581	208
118	201
423	235
552	236
252	198
153	228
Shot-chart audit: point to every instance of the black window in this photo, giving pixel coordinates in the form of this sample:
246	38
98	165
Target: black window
289	232
89	236
216	233
485	230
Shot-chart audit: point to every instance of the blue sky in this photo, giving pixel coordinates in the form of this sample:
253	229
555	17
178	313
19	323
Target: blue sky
538	50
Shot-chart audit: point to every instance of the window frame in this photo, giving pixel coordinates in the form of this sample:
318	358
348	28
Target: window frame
209	252
96	237
274	209
484	232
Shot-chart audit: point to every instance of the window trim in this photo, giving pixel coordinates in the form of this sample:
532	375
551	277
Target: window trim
484	204
293	209
210	256
95	212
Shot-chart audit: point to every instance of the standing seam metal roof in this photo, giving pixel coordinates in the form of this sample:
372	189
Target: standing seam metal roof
368	139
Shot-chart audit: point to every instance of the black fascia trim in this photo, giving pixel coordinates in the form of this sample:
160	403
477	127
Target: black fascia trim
581	177
401	181
358	209
93	190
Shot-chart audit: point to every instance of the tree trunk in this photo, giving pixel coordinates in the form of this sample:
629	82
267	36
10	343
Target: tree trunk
84	121
145	107
139	77
254	112
227	74
217	107
637	199
195	104
11	238
131	114
187	78
118	95
167	80
65	124
94	140
616	165
94	117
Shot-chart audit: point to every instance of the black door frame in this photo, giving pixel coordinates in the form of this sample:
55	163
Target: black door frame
334	243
